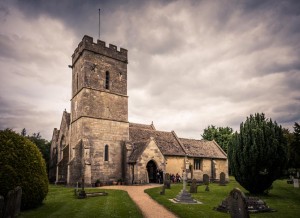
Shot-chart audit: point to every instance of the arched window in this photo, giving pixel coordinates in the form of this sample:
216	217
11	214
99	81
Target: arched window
106	153
107	80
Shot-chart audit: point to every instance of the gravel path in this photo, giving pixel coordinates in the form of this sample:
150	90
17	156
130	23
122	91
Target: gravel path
149	207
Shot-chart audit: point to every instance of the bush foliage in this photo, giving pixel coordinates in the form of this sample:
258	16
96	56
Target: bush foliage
258	154
21	164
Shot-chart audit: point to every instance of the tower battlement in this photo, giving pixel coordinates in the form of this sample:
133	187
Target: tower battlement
99	48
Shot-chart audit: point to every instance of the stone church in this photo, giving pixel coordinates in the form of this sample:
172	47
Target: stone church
96	140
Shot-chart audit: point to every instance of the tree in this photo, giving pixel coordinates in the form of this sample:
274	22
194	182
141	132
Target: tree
21	164
43	145
258	154
294	159
23	133
222	135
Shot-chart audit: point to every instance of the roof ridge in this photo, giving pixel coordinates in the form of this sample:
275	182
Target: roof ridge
179	142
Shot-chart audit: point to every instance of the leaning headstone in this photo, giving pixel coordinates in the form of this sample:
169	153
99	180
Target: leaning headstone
205	179
296	183
193	187
1	206
9	204
18	198
167	181
237	204
222	179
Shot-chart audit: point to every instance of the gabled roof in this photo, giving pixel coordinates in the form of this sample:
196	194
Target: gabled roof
170	144
138	149
166	141
202	148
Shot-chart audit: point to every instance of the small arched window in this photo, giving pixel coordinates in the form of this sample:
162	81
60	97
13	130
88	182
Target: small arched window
106	153
107	80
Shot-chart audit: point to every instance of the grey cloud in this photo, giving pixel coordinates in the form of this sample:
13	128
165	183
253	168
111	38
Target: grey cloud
191	63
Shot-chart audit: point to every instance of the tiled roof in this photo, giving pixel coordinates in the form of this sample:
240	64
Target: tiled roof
166	141
138	149
169	144
142	126
202	148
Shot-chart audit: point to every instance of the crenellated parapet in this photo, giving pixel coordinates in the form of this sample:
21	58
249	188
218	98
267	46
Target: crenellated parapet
99	48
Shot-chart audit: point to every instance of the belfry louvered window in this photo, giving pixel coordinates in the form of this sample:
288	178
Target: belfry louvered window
106	153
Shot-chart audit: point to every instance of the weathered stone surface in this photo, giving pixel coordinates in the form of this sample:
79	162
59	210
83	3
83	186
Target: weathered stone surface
222	178
9	210
18	198
237	204
205	179
253	204
194	186
167	181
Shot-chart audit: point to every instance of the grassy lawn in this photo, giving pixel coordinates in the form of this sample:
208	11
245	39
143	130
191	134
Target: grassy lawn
283	197
60	202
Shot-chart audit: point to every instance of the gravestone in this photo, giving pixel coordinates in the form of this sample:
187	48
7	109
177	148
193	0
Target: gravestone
205	179
254	205
237	204
163	190
184	196
222	179
18	198
167	181
1	206
296	183
207	188
193	187
82	193
9	204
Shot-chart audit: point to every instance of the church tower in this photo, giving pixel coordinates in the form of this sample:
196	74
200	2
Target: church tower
99	112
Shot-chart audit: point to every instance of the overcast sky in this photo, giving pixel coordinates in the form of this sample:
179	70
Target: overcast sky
191	63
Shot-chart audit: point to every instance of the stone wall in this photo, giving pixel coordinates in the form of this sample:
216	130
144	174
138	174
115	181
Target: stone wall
97	133
151	152
175	164
101	105
90	67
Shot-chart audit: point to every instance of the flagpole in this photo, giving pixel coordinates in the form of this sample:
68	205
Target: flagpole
99	25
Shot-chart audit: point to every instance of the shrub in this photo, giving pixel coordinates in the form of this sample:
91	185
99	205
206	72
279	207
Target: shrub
21	164
258	154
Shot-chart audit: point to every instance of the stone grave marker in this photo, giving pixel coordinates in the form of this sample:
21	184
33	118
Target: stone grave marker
1	206
207	188
9	204
193	187
18	198
296	183
205	179
163	190
222	178
167	181
237	204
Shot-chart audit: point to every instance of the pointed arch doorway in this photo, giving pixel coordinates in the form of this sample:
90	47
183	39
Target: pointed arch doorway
151	169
